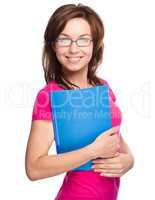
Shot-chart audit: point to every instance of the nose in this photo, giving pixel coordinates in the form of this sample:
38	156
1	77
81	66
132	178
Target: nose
73	48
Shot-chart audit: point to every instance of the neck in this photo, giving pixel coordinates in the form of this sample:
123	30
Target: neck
78	78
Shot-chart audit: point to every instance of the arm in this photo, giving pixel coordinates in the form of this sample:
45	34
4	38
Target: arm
124	148
39	164
116	166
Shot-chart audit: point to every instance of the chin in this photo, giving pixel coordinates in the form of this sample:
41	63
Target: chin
74	68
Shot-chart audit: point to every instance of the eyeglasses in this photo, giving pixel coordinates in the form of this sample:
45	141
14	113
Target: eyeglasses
66	42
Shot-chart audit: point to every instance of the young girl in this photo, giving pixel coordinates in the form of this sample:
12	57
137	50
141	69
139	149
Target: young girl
73	50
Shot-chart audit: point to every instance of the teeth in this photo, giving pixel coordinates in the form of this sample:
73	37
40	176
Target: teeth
74	59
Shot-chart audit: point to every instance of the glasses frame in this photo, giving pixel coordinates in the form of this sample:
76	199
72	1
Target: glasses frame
76	41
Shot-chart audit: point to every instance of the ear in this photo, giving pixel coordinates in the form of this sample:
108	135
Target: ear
53	46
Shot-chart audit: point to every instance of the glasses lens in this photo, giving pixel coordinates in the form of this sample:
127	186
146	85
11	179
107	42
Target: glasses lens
83	42
64	42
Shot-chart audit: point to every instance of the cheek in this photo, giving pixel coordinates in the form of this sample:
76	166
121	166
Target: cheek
88	53
60	54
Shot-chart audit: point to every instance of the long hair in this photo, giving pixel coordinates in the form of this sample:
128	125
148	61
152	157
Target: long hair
56	24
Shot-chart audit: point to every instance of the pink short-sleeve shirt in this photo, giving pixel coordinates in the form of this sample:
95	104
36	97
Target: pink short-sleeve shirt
80	185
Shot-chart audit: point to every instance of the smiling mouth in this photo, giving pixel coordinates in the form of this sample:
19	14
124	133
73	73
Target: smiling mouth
74	58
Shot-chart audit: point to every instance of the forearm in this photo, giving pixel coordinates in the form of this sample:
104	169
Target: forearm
52	165
124	148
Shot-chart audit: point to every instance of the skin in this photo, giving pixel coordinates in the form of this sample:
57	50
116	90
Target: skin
77	73
38	163
116	166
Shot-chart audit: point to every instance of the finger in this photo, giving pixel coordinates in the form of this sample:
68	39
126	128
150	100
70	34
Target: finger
109	171
112	131
110	175
105	160
106	167
109	161
113	160
98	160
115	130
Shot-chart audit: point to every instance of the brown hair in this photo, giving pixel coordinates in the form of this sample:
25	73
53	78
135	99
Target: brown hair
56	24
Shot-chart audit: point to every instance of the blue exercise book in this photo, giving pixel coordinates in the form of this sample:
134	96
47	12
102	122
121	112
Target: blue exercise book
78	117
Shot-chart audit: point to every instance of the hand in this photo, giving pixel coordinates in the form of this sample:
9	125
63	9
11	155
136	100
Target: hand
114	167
106	144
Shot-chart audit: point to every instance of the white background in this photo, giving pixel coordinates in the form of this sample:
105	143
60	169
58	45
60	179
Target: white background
128	67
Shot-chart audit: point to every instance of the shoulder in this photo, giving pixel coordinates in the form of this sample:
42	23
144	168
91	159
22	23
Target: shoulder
49	87
104	82
42	108
111	93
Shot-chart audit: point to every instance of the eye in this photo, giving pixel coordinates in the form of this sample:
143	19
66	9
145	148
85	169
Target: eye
84	41
63	41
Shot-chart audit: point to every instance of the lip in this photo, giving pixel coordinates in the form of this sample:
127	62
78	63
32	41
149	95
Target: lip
74	57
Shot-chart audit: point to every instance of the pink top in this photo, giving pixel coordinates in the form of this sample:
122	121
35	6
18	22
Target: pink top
80	185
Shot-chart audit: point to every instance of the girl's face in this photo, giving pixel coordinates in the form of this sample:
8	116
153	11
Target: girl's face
74	56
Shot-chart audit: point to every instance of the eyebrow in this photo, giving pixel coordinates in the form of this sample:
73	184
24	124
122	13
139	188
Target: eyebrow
79	35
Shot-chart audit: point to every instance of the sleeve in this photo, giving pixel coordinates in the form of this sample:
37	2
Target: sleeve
41	108
112	95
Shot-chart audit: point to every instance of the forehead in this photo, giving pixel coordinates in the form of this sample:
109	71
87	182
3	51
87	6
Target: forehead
76	27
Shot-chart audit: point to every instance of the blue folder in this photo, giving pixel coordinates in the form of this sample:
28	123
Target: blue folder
78	117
